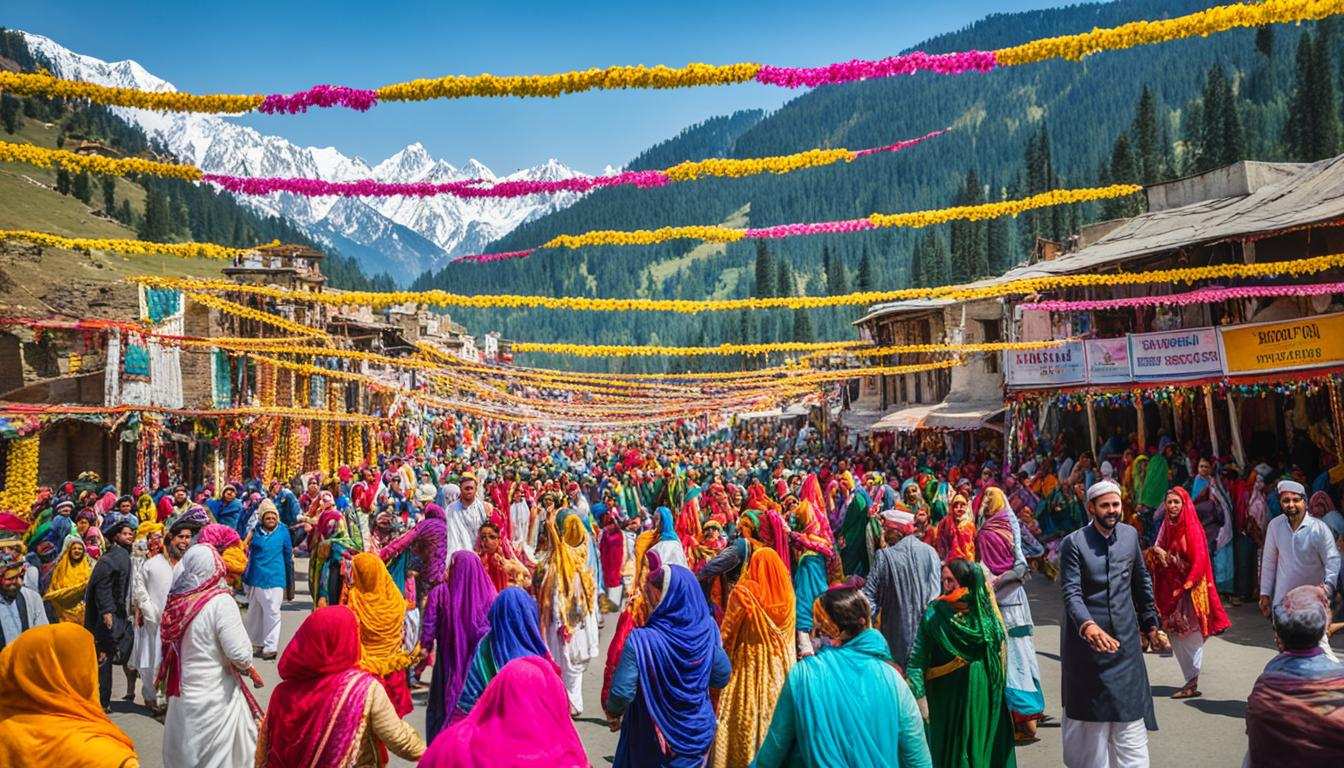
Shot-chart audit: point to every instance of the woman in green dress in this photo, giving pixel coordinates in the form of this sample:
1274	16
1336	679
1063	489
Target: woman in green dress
956	671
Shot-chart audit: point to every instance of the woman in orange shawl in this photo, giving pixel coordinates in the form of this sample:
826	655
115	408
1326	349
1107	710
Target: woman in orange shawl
956	532
49	711
636	610
381	610
69	578
758	636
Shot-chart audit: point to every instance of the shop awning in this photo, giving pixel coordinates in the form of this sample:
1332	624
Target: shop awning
859	421
965	415
904	419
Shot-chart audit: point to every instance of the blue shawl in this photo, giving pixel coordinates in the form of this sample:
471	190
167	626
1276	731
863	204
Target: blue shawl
674	652
667	530
514	632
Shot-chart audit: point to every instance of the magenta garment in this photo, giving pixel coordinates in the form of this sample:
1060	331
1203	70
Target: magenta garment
521	721
454	622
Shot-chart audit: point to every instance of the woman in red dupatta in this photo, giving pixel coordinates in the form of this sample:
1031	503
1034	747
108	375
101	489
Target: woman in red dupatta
328	711
956	532
1183	587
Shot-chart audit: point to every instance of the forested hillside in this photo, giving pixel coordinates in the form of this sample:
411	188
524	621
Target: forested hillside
1014	131
162	210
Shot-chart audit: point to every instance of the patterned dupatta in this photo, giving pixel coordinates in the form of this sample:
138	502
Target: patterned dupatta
200	581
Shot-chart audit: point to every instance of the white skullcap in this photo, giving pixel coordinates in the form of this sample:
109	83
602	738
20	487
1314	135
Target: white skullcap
1102	488
1291	486
897	516
1107	471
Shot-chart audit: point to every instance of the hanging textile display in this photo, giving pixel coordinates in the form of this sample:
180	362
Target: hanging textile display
221	382
21	476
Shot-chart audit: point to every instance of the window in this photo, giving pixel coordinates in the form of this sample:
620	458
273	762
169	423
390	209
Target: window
991	331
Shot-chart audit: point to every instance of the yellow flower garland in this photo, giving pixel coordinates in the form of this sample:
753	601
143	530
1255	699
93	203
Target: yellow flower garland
612	350
1067	47
21	476
105	166
119	245
1021	287
734	169
234	308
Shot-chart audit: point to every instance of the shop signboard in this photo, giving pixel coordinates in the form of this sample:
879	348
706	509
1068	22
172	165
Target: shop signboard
1285	345
1057	366
1175	355
1108	361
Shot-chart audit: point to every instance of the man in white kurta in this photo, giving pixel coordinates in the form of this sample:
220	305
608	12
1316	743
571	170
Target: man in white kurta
210	725
149	593
463	518
1299	551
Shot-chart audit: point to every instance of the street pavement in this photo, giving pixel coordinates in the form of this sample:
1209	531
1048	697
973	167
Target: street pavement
1194	733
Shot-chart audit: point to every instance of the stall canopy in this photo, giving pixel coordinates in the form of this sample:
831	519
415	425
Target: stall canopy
965	415
905	419
860	422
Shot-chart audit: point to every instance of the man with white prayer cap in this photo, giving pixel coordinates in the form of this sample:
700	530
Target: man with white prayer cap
1108	600
906	575
1299	550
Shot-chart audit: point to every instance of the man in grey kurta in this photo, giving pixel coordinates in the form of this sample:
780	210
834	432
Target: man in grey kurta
904	579
1108	599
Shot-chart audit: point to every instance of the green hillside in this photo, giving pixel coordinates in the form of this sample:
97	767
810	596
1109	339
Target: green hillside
1019	130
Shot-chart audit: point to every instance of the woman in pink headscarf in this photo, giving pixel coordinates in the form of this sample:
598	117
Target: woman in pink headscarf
526	691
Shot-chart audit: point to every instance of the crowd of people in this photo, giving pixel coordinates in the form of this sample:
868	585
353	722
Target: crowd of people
777	600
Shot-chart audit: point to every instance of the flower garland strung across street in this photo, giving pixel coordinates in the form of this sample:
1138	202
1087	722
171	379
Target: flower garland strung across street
21	476
965	349
913	219
1212	294
1021	287
610	350
248	313
472	188
130	247
1067	47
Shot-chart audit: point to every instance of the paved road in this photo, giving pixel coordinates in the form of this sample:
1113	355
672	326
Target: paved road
1194	733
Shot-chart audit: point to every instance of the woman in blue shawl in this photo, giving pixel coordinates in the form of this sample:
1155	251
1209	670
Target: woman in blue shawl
669	546
660	692
514	632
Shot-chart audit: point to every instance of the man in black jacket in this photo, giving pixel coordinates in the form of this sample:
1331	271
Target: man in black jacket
105	606
1108	601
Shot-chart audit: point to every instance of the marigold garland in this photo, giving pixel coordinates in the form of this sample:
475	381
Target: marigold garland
124	246
21	476
1020	287
1066	47
613	350
913	219
248	313
43	157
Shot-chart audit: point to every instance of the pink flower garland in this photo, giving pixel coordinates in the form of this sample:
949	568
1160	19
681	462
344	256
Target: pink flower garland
818	228
486	258
358	99
473	188
1208	295
859	69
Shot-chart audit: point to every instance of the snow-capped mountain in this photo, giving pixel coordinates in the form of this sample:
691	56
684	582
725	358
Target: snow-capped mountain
400	236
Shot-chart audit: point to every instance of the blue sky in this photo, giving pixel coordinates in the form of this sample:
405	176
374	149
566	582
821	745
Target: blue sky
247	47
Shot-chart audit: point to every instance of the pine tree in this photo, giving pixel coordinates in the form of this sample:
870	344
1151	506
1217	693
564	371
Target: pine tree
1234	141
970	257
62	181
124	214
1298	129
1211	132
864	280
802	326
929	265
9	113
784	284
837	282
1122	170
109	185
766	279
1147	139
157	224
1264	41
1325	112
999	243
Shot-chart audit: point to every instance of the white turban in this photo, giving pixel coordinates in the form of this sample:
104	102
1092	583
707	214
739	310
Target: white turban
1291	486
1102	488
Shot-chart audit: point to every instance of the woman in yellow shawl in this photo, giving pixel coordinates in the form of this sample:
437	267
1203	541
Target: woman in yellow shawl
758	636
381	611
68	580
567	596
49	711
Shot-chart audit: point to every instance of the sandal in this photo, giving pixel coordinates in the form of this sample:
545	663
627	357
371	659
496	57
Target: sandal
1187	693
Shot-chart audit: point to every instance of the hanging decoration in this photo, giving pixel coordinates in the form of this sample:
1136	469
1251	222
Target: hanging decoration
124	246
21	476
990	290
470	188
1066	47
248	313
913	219
612	350
1212	294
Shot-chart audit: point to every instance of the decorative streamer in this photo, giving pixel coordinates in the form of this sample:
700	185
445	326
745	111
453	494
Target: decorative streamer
132	247
475	188
72	409
611	350
266	318
914	219
1020	287
1212	294
43	157
1067	47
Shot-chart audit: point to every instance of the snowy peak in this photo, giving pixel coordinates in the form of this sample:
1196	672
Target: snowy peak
401	236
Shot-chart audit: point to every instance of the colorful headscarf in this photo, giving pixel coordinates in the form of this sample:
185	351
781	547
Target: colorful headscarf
199	579
381	611
566	575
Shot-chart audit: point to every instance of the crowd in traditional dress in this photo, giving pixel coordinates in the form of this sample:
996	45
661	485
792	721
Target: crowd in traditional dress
777	600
